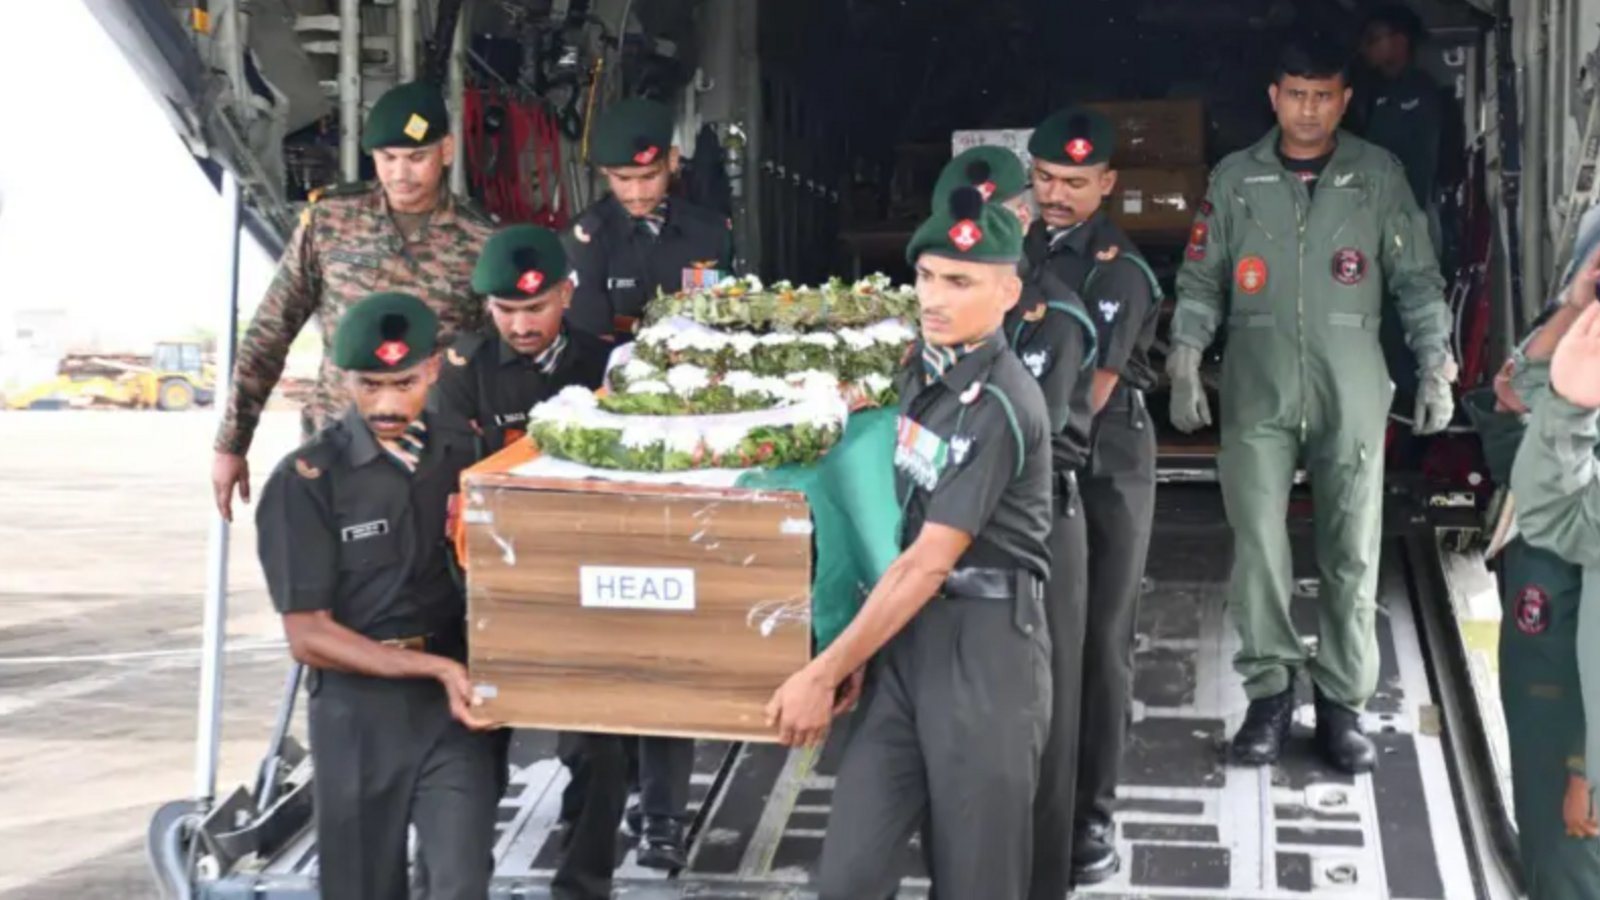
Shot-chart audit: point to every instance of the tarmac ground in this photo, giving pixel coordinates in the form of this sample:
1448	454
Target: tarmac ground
103	572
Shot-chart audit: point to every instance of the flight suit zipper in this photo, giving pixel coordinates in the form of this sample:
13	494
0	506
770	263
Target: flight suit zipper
1300	312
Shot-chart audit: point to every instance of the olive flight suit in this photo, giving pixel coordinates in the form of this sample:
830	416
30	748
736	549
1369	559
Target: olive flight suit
487	383
344	528
1118	490
1556	483
1055	339
1539	687
620	262
933	737
1299	279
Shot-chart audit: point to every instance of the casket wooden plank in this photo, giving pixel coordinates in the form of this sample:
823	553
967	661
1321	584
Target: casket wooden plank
634	609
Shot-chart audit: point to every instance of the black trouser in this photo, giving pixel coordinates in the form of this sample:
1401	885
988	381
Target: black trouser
599	762
666	767
953	722
1065	601
388	755
1119	495
666	791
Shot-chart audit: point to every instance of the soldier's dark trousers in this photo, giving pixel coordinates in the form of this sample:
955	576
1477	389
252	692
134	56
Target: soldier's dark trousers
1065	596
389	756
953	723
1545	718
600	763
1119	498
666	766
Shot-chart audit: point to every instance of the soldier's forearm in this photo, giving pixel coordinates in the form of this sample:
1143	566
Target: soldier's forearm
1427	330
255	375
316	640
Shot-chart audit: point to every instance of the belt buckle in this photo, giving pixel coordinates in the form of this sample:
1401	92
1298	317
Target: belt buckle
418	644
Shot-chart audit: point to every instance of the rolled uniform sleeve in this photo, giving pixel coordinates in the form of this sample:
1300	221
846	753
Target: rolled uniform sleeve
296	539
1411	272
290	301
1554	481
969	491
590	309
1121	295
1203	279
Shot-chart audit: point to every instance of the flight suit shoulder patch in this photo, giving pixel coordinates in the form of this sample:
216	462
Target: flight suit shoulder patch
1532	610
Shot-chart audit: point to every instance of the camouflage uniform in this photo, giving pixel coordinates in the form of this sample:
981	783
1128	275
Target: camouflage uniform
346	247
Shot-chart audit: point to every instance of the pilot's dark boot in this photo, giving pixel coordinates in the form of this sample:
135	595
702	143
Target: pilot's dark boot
1094	852
1265	730
1340	739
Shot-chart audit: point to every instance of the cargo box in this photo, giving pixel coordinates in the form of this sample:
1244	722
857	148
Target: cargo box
632	608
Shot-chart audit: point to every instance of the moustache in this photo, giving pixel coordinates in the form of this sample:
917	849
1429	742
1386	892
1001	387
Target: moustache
529	336
387	420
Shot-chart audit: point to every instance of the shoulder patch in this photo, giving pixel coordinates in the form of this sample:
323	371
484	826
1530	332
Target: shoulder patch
1035	314
306	470
970	395
461	350
340	191
455	357
581	234
1108	254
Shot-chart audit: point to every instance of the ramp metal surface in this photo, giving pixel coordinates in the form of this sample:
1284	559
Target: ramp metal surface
1190	825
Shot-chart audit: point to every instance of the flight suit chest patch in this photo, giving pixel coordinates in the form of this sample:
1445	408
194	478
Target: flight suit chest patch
919	453
1263	179
1349	266
1532	610
1251	275
364	531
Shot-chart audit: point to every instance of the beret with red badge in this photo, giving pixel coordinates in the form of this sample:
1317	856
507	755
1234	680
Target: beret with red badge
996	172
385	332
635	132
519	263
964	227
1075	136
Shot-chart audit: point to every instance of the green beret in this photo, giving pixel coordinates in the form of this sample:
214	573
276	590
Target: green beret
520	262
968	229
1076	136
996	172
407	115
635	132
385	332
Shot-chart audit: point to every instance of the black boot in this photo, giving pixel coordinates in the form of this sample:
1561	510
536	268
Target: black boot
1340	739
1265	730
663	844
1094	852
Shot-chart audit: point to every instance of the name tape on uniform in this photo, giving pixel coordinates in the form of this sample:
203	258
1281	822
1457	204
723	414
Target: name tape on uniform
630	587
364	530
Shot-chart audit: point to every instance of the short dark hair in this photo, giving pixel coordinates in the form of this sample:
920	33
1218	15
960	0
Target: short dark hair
1400	19
1312	59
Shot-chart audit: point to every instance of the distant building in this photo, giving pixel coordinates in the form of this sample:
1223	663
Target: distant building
32	342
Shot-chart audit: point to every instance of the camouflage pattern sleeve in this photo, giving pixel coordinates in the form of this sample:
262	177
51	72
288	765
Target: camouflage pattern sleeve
289	303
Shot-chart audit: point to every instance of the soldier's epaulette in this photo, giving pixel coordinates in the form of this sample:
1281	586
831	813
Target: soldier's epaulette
347	189
461	350
690	210
469	209
317	455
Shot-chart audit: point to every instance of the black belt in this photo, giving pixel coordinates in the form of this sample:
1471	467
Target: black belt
991	584
1125	396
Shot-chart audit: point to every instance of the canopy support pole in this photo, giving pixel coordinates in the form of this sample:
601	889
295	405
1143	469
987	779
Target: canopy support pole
457	69
350	90
214	623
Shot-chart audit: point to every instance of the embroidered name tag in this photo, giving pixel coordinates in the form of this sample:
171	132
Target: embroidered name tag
364	530
1262	179
623	284
511	418
919	453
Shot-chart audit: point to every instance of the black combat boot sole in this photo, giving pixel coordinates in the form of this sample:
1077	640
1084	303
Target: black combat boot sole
1103	869
663	858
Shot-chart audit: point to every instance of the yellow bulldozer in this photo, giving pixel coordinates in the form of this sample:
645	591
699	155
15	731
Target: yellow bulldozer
176	376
